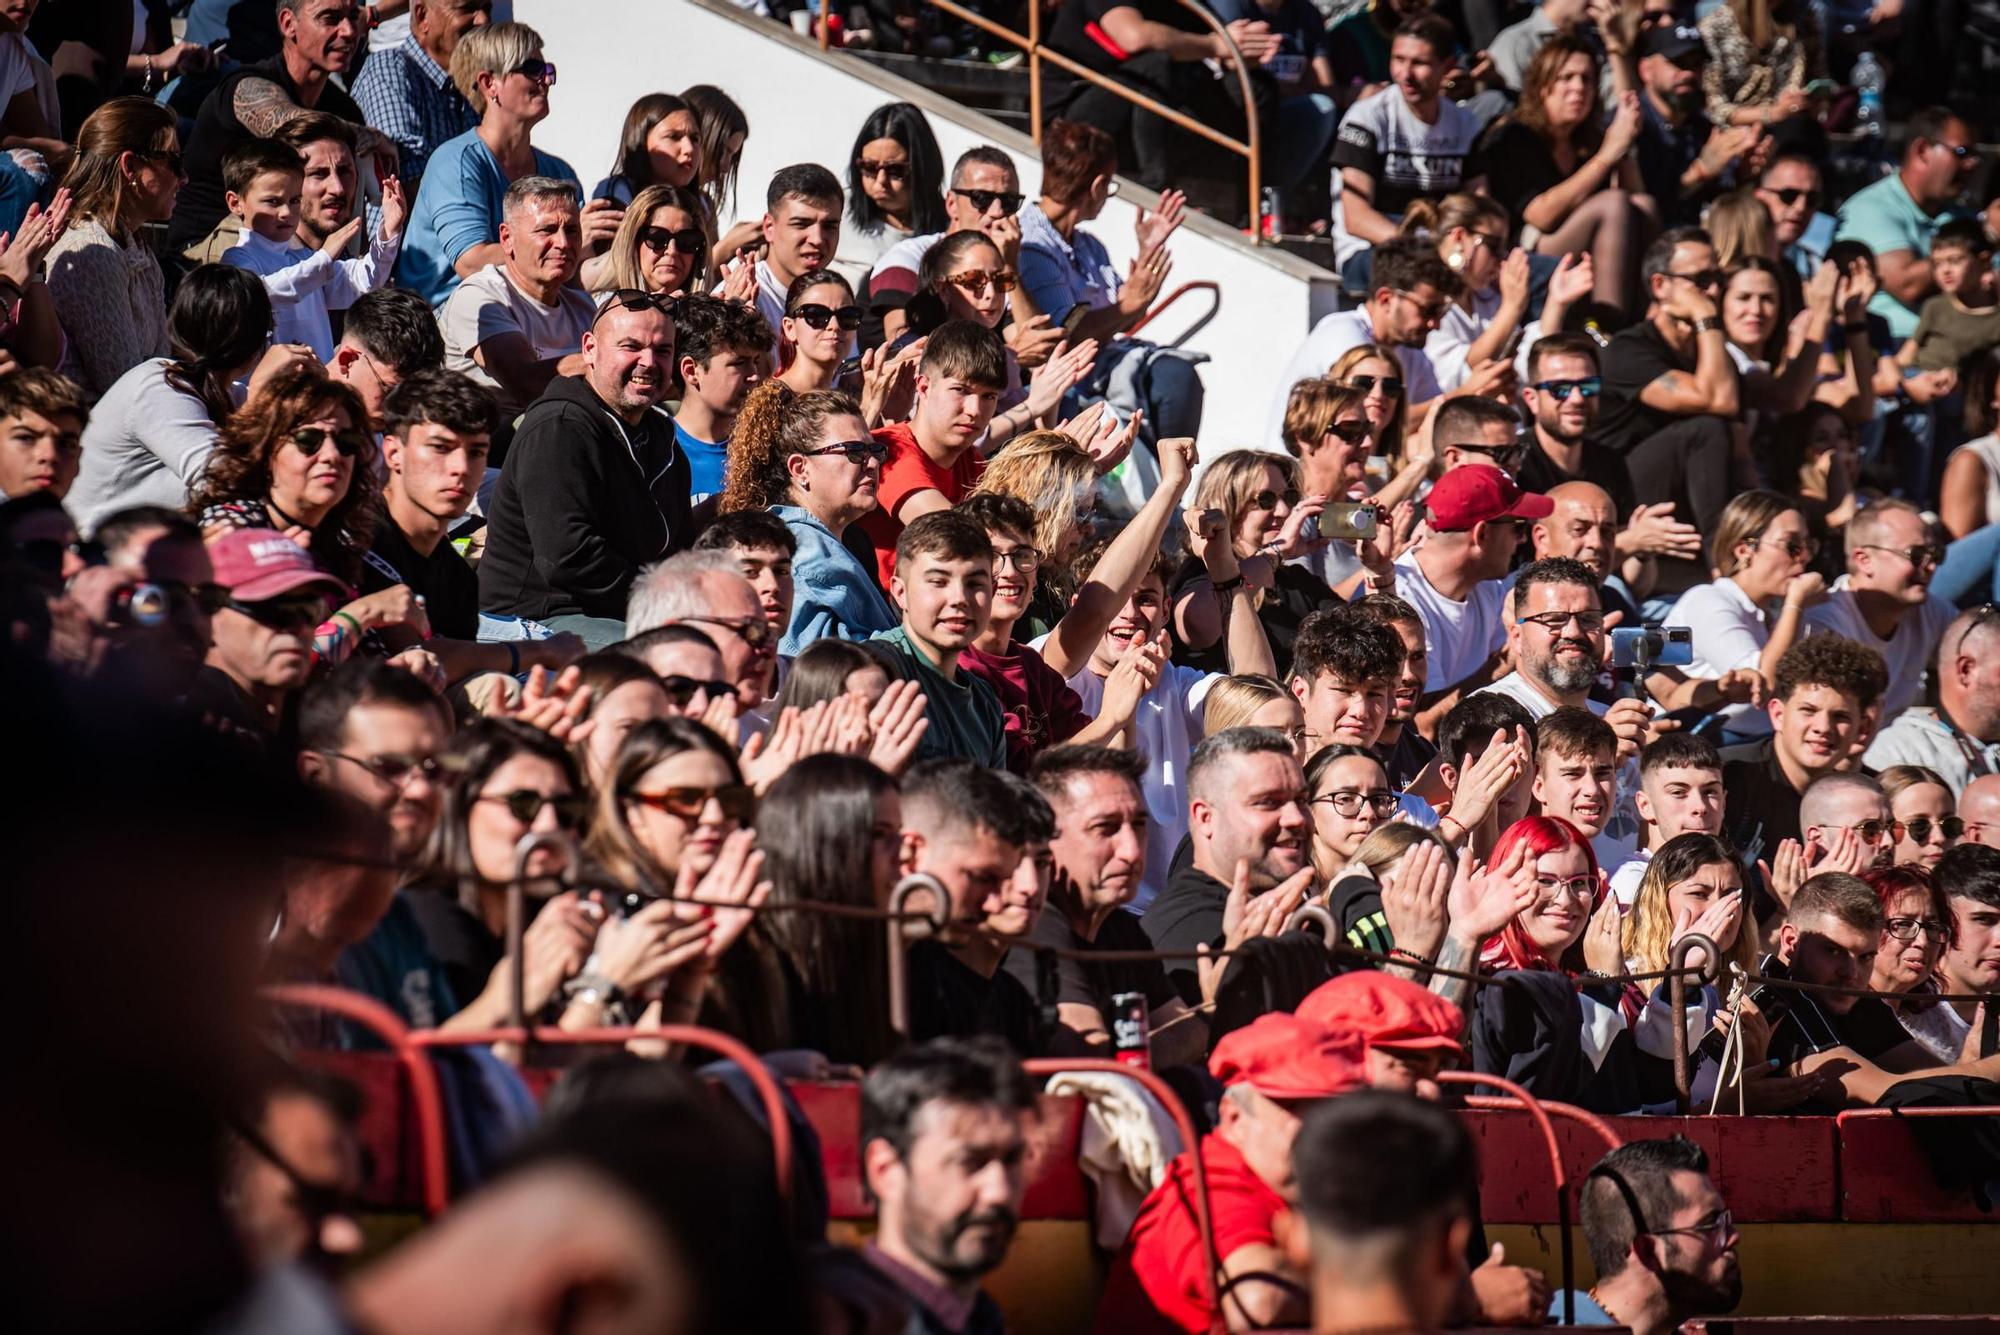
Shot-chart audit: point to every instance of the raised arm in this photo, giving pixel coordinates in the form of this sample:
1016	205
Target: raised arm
1118	572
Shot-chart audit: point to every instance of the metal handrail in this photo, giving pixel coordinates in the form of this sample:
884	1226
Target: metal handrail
1251	148
1208	285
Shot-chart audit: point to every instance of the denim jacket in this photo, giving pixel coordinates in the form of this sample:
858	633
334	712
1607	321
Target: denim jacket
832	592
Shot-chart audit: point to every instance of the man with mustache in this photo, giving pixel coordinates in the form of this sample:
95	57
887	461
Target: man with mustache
944	1152
593	487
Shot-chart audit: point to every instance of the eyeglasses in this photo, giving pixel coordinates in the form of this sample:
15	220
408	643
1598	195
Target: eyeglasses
1706	278
1924	554
1793	196
1871	831
170	158
975	281
536	70
1352	433
1430	310
395	770
283	613
1391	384
525	805
895	173
1575	887
1716	1232
1918	829
1560	390
982	200
1959	151
737	800
1346	802
1794	546
308	440
754	631
1268	499
1025	560
1487	241
1507	457
686	240
857	451
1907	929
683	689
1590	623
818	316
635	299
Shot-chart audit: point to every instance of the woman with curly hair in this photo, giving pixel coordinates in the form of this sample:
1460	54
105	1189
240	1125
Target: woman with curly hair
809	460
296	458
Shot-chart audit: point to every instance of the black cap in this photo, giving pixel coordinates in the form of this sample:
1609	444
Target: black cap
1672	40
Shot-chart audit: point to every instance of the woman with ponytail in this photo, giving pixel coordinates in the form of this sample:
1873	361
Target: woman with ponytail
809	460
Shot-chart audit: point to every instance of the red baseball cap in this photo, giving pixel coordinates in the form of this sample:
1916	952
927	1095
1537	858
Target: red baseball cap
1288	1057
1477	494
260	563
1383	1011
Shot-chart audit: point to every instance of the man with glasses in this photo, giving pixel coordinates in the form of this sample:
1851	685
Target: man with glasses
724	352
1846	819
1959	738
1671	394
707	590
1884	601
593	487
1790	190
388	336
517	325
1897	215
1969	877
371	733
1660	1238
1471	430
1684	159
267	600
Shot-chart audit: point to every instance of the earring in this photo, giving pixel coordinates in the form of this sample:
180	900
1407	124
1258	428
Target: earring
1456	260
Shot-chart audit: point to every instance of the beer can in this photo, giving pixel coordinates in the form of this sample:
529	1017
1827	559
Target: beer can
1131	1024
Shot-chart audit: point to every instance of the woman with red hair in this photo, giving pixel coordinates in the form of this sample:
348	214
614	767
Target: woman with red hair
1551	933
1915	930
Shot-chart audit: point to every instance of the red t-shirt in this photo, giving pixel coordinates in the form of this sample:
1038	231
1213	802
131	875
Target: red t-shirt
1041	709
908	471
1156	1284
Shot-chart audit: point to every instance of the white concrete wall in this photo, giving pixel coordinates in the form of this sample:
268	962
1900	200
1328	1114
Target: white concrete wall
806	107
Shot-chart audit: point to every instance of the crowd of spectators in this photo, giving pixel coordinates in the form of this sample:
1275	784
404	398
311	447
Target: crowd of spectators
1613	568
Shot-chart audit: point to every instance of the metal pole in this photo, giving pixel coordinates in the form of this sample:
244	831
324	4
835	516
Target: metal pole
901	920
1035	69
1677	998
517	912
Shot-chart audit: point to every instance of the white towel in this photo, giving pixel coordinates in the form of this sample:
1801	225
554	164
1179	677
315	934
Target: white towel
1128	1141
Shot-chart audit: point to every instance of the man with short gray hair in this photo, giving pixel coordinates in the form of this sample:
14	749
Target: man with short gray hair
707	590
1960	737
517	325
1884	601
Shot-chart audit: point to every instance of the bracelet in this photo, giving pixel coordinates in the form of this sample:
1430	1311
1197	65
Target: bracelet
1412	956
1228	585
1707	324
513	659
348	617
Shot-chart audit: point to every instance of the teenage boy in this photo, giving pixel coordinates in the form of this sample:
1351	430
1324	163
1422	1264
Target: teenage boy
723	346
1963	319
1969	876
763	548
932	460
1680	792
1403	749
262	180
42	417
1576	777
1344	670
944	587
801	233
1463	737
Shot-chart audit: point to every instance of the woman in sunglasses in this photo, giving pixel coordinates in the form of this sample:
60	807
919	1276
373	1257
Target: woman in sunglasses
895	187
1351	798
1264	519
296	458
661	246
821	318
1921	807
809	460
1916	928
659	145
1745	620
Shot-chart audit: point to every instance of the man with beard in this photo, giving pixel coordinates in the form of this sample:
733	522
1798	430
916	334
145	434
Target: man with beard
1790	190
1402	748
1250	827
329	194
944	1151
1897	215
1884	601
593	487
1661	1241
1959	737
1683	157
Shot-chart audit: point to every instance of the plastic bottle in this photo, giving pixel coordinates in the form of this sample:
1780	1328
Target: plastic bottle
1868	83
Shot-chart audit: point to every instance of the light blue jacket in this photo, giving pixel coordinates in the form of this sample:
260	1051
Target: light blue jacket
833	594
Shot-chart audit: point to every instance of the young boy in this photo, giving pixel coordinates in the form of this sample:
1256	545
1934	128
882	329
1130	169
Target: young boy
1576	776
722	350
42	417
1680	792
944	587
262	180
1963	319
1464	734
1344	669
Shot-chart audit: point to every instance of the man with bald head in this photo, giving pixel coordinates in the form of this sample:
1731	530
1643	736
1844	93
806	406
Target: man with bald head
1960	738
1838	807
1979	808
1584	527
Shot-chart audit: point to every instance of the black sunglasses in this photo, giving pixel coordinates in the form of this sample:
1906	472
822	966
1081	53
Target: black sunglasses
982	200
1391	384
308	440
636	299
857	451
892	172
537	70
283	613
1706	278
1508	457
683	689
817	316
687	240
525	805
1792	196
1268	499
1353	433
755	631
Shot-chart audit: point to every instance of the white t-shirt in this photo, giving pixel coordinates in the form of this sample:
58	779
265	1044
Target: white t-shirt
1729	631
488	304
1626	877
1619	839
21	69
1459	636
1331	339
1407	159
1906	652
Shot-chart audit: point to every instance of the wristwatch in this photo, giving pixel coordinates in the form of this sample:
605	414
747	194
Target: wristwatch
594	989
1706	323
1230	585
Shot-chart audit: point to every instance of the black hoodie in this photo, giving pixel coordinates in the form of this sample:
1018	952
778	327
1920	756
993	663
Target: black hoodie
583	502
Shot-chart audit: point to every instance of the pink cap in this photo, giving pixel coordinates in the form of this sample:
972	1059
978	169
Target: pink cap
260	563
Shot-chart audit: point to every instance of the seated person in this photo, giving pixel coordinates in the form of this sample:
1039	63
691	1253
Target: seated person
1897	215
1576	778
723	348
946	595
1884	601
1963	319
763	549
1680	792
1660	1238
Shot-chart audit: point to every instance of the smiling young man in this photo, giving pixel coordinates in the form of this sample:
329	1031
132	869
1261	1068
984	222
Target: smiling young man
1576	777
1884	601
1403	749
944	587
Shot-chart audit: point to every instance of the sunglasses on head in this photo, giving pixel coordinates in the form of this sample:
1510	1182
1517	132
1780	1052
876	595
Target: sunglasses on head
1391	384
1791	196
525	805
857	451
817	316
1590	387
283	613
737	800
982	200
683	689
308	440
975	281
536	70
635	299
686	240
1268	499
893	172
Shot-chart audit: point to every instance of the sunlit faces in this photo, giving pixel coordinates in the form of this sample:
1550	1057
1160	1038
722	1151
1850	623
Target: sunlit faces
830	481
1883	564
543	239
1260	815
1284	716
1698	893
1566	892
1558	636
1790	192
1100	843
1417	69
39	453
769	570
1750	309
946	601
435	468
953	410
1823	949
1379	403
1902	963
976	867
1265	510
1971	960
1339	710
802	234
1678	799
1816	727
1778	555
884	168
1921	812
494	826
327	194
309	481
827	345
1577	787
269	204
673	840
673	149
966	296
954	1198
629	355
623	708
1142	618
1015	562
1351	799
1570	418
380	764
667	265
726	378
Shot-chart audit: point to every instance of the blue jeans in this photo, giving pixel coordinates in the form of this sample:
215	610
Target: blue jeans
19	188
1301	131
597	632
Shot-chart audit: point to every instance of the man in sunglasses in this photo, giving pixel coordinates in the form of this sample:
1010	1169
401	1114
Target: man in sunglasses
1684	159
1884	601
1959	739
724	351
1661	1241
984	196
708	591
1897	215
1790	189
269	598
1471	430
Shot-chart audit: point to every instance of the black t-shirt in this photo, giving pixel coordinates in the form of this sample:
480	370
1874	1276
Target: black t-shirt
201	205
1636	358
1604	467
1407	758
1187	914
948	998
1870	1029
464	949
450	590
1297	595
1519	167
1090	982
1079	33
1761	808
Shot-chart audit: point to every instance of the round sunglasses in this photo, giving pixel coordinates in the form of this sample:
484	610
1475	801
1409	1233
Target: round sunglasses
309	440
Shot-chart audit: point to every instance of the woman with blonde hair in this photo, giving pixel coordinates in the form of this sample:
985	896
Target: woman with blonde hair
1263	520
1740	226
1923	816
1377	376
1252	700
1058	480
1355	896
661	245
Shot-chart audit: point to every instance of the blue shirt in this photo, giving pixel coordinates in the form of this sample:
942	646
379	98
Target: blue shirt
1884	216
458	207
411	98
833	594
1588	1313
1059	274
705	459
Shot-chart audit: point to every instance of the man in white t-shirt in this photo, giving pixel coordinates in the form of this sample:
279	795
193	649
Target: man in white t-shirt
1453	576
1412	285
801	233
517	325
1884	601
1680	792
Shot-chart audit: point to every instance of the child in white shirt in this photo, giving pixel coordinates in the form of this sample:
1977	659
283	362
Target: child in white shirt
263	180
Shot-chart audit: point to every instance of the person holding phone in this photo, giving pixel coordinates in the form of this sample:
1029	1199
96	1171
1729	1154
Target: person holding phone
1765	62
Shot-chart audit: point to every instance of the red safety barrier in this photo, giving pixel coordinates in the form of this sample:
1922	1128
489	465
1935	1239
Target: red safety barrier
1208	285
1885	1176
